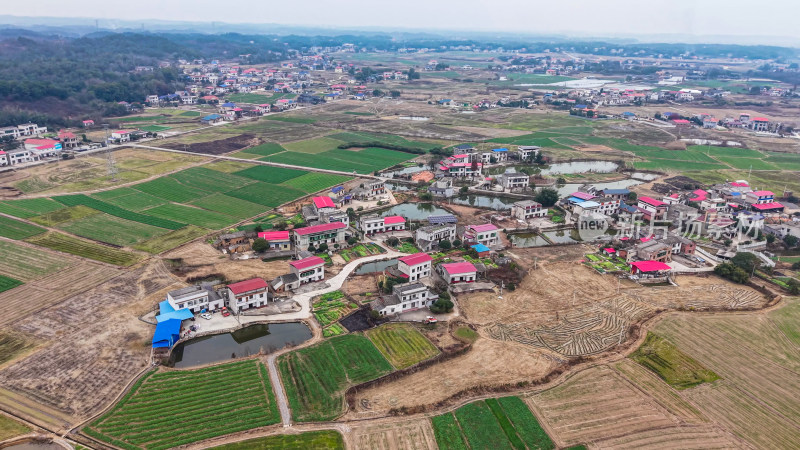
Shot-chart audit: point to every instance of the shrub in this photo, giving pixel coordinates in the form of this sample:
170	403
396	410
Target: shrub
260	245
442	306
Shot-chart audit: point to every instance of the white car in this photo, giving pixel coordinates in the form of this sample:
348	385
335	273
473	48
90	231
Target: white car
206	316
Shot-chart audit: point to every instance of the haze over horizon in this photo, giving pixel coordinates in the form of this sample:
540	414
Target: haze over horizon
735	20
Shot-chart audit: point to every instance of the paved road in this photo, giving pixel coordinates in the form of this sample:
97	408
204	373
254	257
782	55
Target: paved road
304	300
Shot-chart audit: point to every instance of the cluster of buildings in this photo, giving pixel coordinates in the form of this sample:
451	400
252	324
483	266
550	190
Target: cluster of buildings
467	161
33	143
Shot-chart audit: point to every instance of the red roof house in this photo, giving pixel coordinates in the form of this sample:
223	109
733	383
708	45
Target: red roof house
392	220
323	202
649	267
305	263
274	235
321	228
251	285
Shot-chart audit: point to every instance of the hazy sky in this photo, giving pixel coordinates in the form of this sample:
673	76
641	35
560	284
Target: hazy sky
576	17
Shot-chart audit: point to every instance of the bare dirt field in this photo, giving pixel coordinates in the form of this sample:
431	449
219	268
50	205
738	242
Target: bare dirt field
96	346
202	260
406	435
488	363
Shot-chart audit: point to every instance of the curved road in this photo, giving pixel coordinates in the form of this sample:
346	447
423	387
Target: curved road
304	300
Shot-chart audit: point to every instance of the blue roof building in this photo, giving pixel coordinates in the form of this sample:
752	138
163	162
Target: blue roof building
167	333
480	248
499	150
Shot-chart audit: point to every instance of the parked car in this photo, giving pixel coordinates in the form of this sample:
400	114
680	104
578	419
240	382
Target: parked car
206	316
225	312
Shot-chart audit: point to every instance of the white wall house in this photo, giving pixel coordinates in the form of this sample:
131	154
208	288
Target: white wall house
427	238
195	299
415	266
486	234
528	209
309	269
405	297
247	294
459	272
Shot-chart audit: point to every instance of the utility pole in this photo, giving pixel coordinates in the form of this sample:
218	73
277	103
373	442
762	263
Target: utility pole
110	163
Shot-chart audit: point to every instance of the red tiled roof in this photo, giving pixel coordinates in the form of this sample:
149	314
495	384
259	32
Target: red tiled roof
391	220
650	266
681	121
305	263
770	205
482	228
323	202
610	250
737	184
274	235
651	201
582	195
760	119
416	258
763	193
459	268
321	228
40	142
66	135
247	286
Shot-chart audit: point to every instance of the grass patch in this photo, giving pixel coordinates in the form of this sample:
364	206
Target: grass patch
170	189
28	263
191	114
14	229
317	440
357	113
155	128
108	208
291	119
195	216
365	161
313	182
333	330
169	409
466	334
267	194
29	207
269	174
317	145
171	240
673	366
137	202
231	206
12	345
270	148
402	344
315	377
209	180
67	214
447	432
247	97
87	249
227	166
112	230
10	428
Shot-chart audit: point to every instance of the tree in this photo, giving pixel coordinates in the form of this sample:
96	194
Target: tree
539	158
632	197
770	238
796	266
259	228
794	286
426	196
547	197
457	243
377	93
790	241
463	190
322	248
561	181
746	261
352	241
393	241
444	244
732	272
280	226
492	160
394	94
311	248
442	306
260	245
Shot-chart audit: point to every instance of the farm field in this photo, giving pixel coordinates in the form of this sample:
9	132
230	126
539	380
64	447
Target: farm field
315	377
269	148
172	408
14	229
10	428
75	200
363	161
65	214
86	249
12	345
196	216
672	365
402	434
402	344
269	174
171	240
27	263
318	440
26	208
504	423
267	194
329	308
313	146
229	206
314	182
8	283
112	230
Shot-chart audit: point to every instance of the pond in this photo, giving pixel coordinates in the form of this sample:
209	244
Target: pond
485	201
375	266
414	211
621	184
580	167
525	240
405	171
644	176
242	342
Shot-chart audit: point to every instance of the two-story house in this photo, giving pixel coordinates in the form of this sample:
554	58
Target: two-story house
415	266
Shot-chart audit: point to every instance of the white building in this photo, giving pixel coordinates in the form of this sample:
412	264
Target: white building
415	266
486	234
405	297
195	299
326	233
459	272
527	152
528	209
247	294
512	180
309	269
427	238
372	224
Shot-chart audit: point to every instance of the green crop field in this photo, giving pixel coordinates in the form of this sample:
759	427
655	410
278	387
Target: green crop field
364	161
291	119
80	199
171	240
269	174
230	206
155	128
747	163
112	230
530	139
191	114
195	216
28	263
402	344
247	97
228	166
137	201
666	165
269	148
29	207
316	440
313	182
365	139
11	428
66	214
170	189
209	180
173	408
14	229
504	423
87	249
672	365
267	194
315	377
7	283
317	145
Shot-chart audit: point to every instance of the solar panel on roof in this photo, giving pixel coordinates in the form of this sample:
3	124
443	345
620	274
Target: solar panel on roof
445	218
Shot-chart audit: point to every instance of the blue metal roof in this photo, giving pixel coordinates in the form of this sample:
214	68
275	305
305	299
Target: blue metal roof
167	333
499	150
229	105
337	189
616	191
576	200
212	117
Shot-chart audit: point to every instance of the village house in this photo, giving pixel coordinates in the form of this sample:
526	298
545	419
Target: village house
68	139
277	240
458	272
308	269
324	233
119	136
18	155
680	245
404	297
39	148
461	169
231	243
527	209
372	224
4	159
27	129
527	152
512	180
212	119
486	234
442	188
247	294
654	250
370	189
195	299
650	269
759	197
759	124
616	194
413	267
652	209
427	238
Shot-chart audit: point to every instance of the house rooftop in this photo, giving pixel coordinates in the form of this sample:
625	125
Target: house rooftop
274	235
482	228
305	263
252	284
459	268
321	228
416	258
323	202
650	266
651	201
